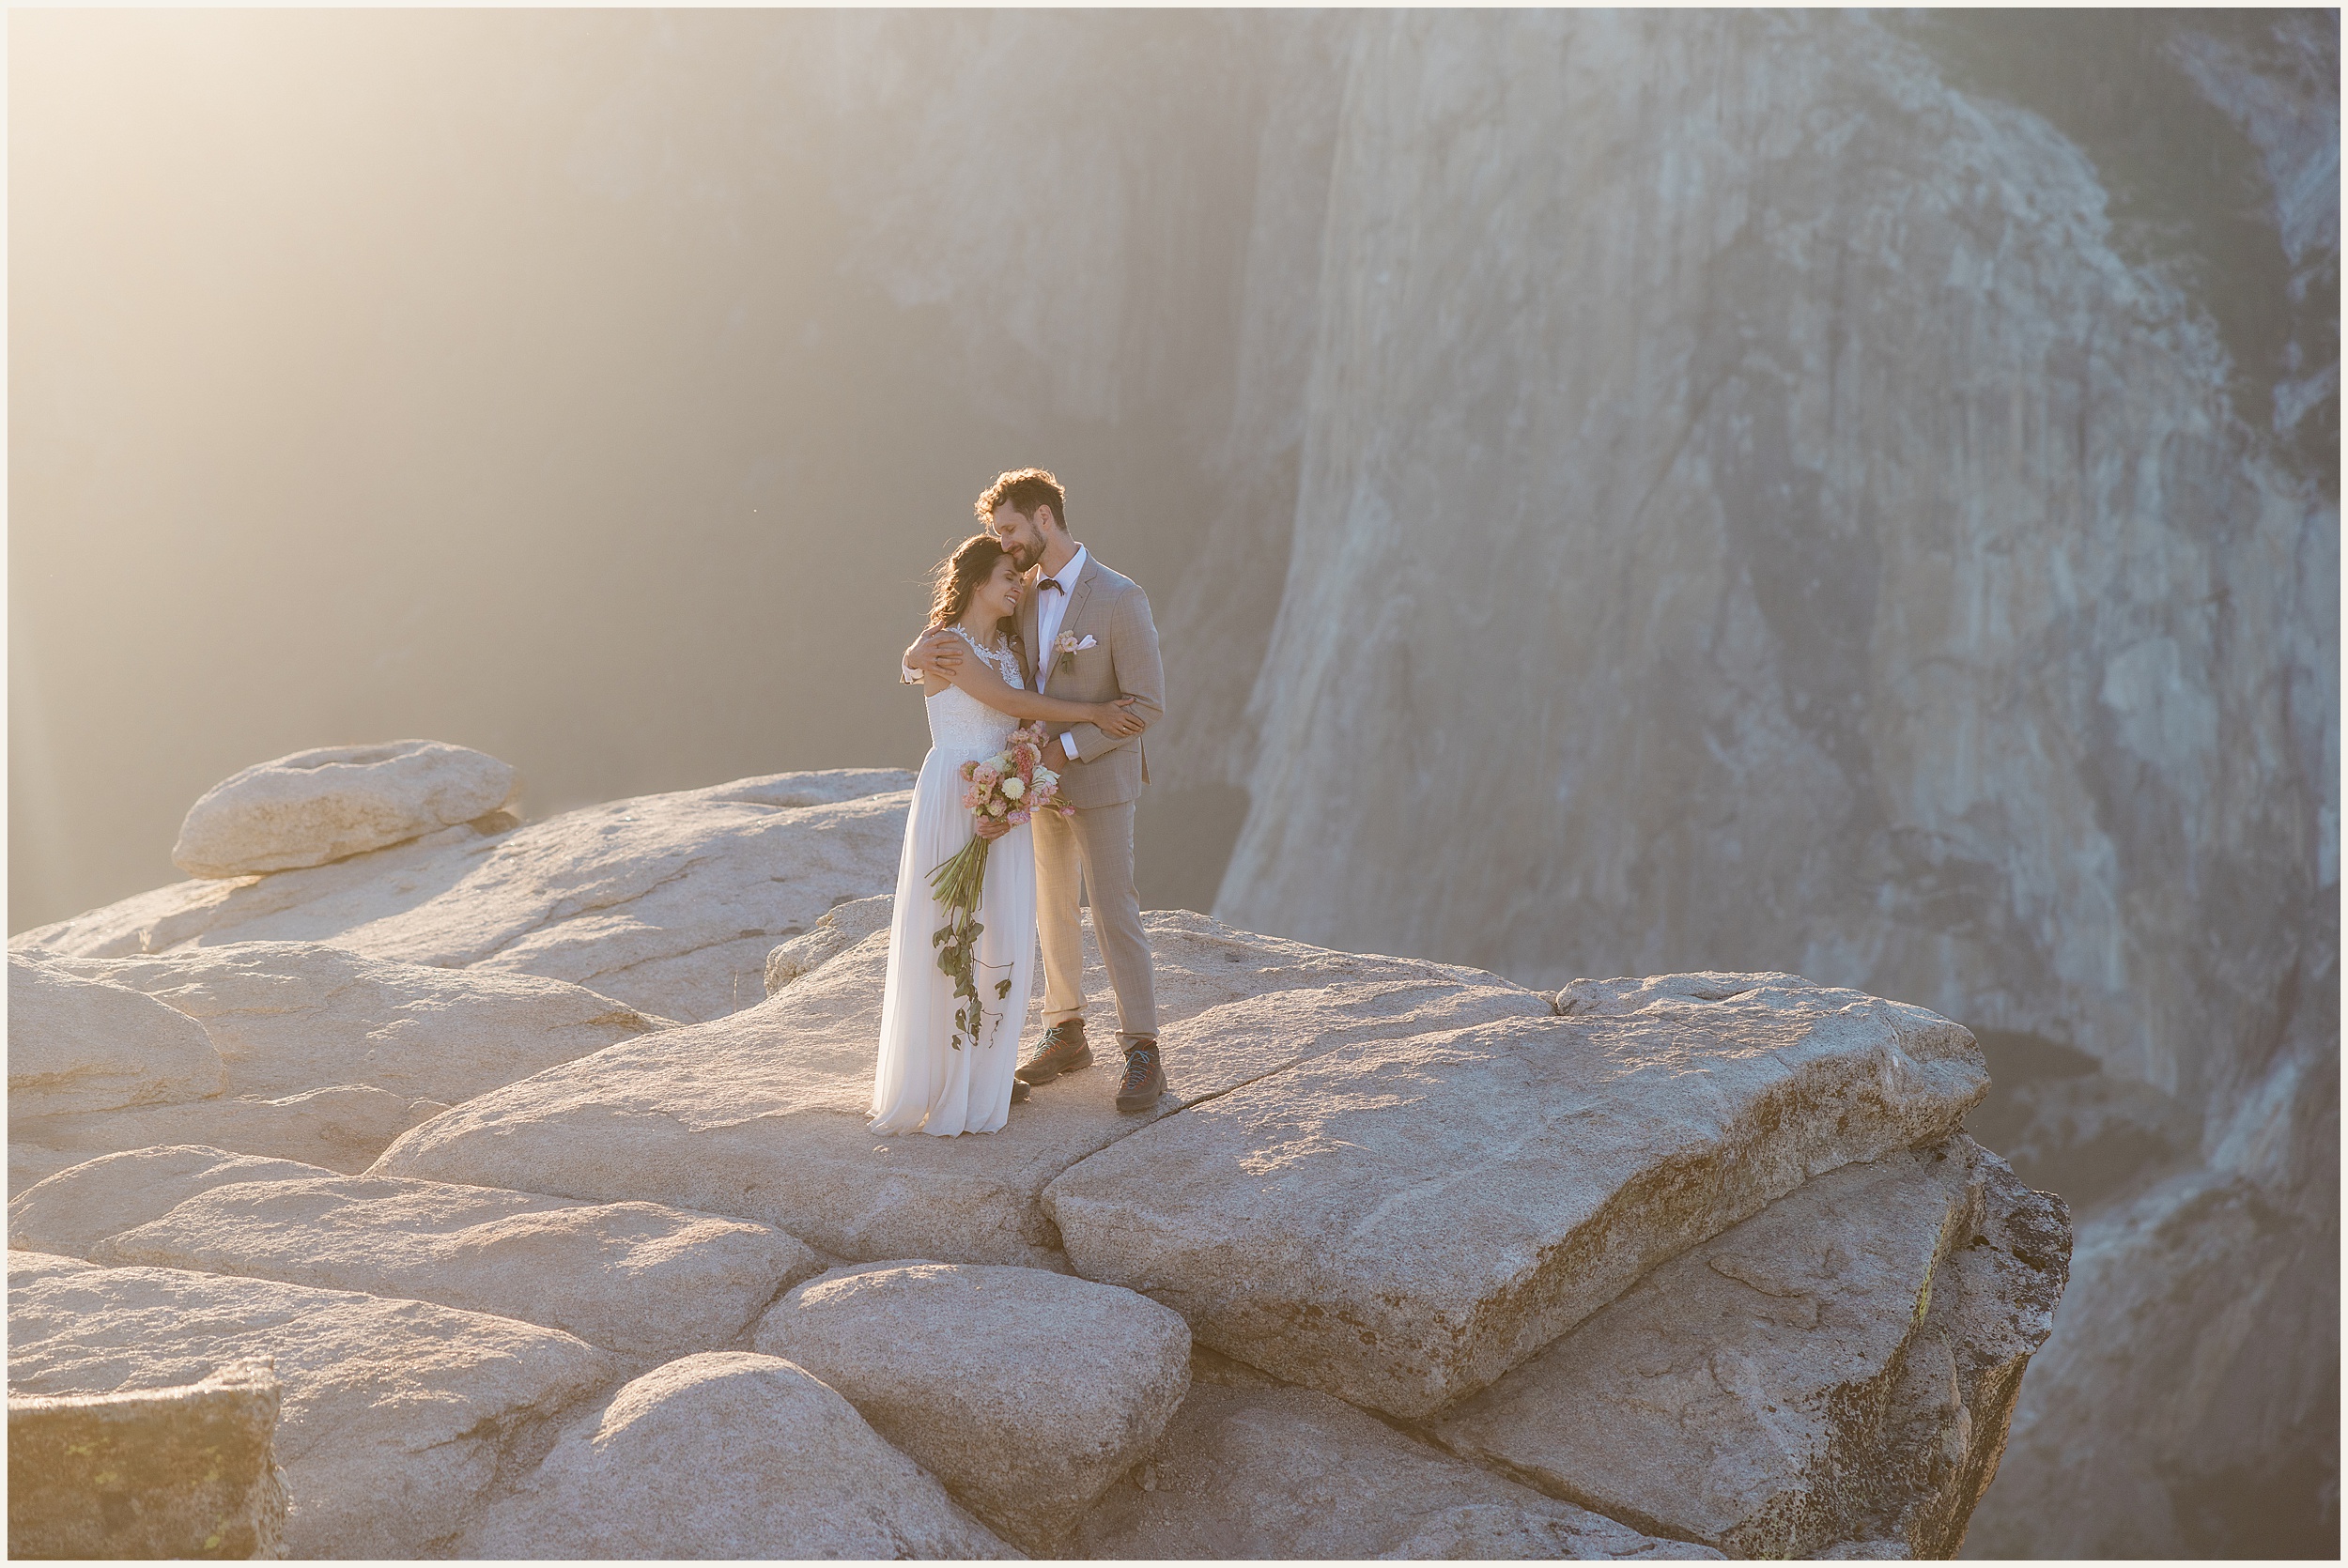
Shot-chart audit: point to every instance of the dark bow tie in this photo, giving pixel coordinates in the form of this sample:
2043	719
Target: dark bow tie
1049	582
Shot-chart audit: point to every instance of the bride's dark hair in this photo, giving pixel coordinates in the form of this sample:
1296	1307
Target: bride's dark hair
958	576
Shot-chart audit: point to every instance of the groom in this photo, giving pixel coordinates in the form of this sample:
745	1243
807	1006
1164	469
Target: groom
1086	636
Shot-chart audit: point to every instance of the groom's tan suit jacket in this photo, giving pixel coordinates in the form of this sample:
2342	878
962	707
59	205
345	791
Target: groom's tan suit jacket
1112	610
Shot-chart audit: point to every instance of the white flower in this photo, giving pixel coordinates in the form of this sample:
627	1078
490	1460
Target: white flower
1013	788
1045	778
995	807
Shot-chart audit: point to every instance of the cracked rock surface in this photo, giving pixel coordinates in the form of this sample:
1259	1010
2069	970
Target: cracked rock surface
1792	1349
1252	1468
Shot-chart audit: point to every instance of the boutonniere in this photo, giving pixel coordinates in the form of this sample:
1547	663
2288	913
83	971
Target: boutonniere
1067	647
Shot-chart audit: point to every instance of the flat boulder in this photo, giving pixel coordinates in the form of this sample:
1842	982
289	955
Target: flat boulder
764	1114
80	1206
728	1455
333	802
188	1471
1403	1218
668	903
1250	1469
1025	1393
643	1279
1747	1392
395	1415
342	1128
287	1017
77	1045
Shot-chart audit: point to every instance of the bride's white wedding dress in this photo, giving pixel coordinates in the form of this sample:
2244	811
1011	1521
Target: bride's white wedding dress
922	1082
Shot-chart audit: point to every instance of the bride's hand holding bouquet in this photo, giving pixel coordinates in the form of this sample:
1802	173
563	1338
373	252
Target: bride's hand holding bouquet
1001	792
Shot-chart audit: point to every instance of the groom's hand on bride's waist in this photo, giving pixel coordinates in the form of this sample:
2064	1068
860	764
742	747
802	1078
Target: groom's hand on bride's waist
1056	757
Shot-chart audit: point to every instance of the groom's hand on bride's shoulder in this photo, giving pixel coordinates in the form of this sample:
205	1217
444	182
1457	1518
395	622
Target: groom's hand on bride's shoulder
936	652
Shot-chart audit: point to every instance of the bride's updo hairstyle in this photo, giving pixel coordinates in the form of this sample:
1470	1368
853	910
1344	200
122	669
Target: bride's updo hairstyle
958	576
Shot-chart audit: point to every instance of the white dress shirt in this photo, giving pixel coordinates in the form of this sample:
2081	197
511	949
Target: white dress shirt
1050	611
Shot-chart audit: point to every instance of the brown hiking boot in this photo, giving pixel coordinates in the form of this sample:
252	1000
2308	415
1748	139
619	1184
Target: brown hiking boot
1018	1091
1063	1051
1145	1079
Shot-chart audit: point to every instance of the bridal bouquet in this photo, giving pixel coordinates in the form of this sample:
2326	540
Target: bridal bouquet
1011	786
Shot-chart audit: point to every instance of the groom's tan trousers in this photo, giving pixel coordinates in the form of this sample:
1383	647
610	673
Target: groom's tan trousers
1097	842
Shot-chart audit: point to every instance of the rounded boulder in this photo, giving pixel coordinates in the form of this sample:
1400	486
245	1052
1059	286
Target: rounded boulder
1026	1393
335	801
727	1455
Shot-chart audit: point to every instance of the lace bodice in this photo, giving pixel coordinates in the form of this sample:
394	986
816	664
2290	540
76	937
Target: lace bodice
964	725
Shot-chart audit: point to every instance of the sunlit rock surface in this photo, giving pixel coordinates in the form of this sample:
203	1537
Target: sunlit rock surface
666	902
764	1112
73	1210
76	1047
395	1416
342	1127
323	804
1383	1184
288	1017
643	1279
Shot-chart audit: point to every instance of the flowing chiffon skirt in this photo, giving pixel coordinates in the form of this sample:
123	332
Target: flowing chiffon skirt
922	1081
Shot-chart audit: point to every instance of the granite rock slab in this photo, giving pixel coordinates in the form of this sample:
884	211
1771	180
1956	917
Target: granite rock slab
1402	1220
763	1114
77	1046
287	1017
641	1279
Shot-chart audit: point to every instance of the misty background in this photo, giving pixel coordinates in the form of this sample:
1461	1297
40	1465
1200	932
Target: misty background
1849	494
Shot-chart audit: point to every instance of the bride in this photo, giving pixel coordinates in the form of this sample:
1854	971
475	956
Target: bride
924	1082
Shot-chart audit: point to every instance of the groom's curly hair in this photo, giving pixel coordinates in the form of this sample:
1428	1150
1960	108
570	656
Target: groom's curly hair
1023	490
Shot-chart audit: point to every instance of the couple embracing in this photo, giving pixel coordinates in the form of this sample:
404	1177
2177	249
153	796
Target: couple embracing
1025	629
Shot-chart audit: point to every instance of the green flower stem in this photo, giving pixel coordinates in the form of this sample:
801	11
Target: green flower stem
958	885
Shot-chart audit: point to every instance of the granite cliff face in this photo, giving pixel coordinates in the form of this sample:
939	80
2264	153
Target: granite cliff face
1765	500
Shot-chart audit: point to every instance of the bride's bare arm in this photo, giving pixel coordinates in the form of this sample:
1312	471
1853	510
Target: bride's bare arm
980	681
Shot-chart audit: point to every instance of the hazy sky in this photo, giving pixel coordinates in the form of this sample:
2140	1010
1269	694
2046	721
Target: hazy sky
508	378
